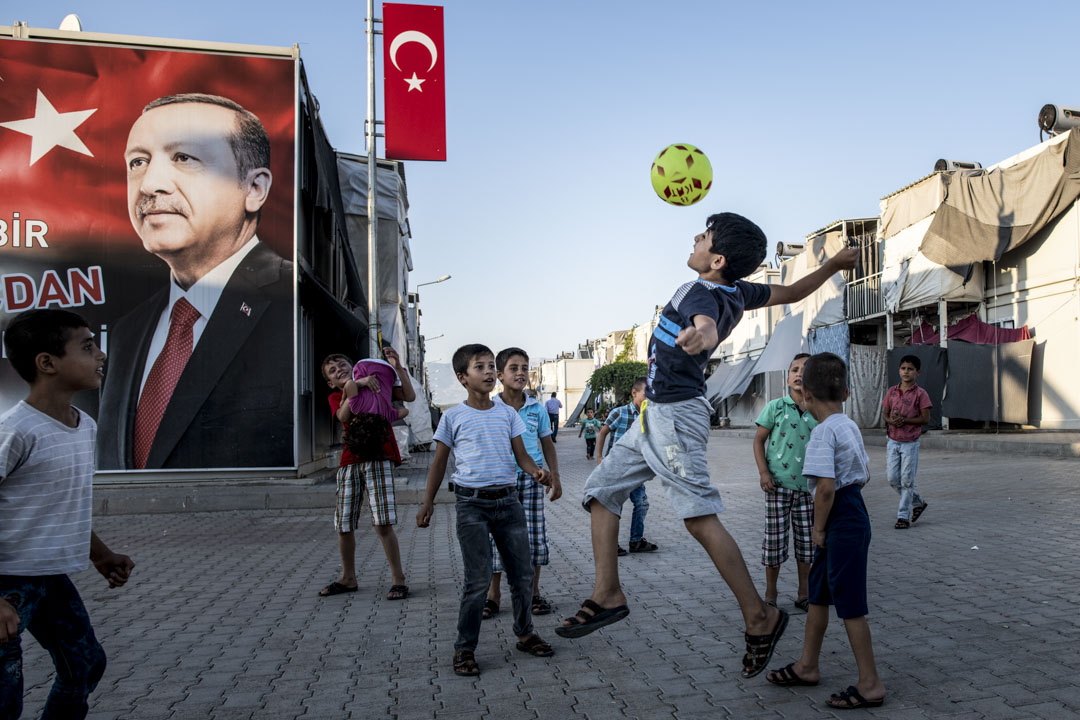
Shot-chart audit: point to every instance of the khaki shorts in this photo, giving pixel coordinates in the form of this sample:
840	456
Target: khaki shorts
672	448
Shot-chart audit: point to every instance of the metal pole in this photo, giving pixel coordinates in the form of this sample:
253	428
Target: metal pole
373	220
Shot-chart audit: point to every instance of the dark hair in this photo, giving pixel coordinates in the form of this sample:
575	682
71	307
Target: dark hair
798	356
249	142
824	376
34	332
913	359
365	436
464	355
741	242
554	394
504	357
331	358
641	382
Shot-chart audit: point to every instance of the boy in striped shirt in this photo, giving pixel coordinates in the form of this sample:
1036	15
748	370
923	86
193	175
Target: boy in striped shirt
46	474
486	439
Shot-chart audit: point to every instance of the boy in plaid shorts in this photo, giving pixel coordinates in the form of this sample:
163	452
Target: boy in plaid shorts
779	449
512	369
356	474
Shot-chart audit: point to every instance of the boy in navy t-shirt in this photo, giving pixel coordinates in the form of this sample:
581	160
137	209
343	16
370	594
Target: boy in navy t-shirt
669	438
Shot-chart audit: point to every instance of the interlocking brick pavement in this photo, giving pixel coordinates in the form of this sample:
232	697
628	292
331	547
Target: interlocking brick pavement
221	618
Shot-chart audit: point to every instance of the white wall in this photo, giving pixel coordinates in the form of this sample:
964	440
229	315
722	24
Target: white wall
1036	285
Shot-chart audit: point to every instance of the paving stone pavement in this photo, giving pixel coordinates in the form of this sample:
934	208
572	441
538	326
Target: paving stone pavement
973	611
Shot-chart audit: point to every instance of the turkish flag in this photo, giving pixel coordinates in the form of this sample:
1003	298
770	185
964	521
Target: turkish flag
414	82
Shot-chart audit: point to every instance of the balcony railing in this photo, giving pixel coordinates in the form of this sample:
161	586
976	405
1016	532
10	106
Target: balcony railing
864	298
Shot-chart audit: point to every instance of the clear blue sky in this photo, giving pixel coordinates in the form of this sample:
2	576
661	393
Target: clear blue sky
544	214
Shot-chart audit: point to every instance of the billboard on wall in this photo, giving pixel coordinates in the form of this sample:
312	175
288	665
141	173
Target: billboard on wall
152	191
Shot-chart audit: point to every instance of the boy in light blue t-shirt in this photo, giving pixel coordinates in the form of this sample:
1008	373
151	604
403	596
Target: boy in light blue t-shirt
487	439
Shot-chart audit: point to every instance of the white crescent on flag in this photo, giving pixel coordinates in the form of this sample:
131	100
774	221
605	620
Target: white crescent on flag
49	129
417	37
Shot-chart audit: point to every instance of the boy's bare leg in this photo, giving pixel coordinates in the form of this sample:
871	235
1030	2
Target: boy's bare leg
760	618
869	684
772	574
804	579
536	580
388	538
817	620
495	589
605	541
346	543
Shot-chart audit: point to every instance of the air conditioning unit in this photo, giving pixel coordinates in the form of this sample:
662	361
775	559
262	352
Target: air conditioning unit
1055	119
944	165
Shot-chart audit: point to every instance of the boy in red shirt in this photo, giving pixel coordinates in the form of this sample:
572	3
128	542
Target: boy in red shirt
375	474
907	409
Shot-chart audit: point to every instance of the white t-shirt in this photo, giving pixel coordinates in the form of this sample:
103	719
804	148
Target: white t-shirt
836	451
46	483
480	440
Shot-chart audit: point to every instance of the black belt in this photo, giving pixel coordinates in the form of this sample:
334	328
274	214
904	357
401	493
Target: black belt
482	493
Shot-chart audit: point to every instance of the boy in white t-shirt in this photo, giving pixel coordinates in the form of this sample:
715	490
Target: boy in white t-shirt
486	439
46	473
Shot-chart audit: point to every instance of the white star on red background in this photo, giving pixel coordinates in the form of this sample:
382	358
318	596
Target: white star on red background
49	129
415	83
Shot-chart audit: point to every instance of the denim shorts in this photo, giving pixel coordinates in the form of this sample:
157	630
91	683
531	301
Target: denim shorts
671	447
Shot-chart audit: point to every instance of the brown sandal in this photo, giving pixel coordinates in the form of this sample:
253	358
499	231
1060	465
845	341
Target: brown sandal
535	646
465	663
759	648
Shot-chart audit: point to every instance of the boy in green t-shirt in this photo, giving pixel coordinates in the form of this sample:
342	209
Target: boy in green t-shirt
779	449
590	426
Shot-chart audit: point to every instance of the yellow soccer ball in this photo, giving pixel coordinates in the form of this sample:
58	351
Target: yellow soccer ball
681	174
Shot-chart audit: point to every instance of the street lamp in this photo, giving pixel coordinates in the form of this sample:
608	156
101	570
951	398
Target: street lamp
429	339
444	278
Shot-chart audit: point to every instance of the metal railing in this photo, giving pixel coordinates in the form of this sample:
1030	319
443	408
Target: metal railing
864	298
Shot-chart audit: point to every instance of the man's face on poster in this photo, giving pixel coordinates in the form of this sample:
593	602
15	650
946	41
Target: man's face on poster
184	190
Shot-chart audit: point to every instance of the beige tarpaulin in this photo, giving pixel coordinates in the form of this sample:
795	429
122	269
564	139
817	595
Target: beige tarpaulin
986	214
824	306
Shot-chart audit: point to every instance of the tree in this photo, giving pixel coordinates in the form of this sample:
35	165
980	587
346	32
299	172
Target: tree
627	346
617	377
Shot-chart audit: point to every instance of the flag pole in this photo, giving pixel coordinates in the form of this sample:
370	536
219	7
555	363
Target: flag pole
372	215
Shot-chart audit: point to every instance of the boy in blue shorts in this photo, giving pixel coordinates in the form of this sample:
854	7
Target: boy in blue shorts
617	422
486	439
512	369
836	467
669	438
779	448
46	474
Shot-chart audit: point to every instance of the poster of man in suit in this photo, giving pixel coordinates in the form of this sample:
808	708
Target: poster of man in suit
162	186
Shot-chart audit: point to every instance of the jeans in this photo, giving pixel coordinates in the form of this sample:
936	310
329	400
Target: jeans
504	521
50	608
902	462
554	418
641	508
590	446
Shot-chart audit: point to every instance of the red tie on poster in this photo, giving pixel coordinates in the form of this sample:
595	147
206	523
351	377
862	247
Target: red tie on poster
414	82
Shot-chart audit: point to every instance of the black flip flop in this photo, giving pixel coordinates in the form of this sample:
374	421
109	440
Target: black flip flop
583	623
491	609
852	700
400	592
787	677
336	588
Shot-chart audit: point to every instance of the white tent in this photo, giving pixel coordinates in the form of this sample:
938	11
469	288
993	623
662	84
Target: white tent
909	279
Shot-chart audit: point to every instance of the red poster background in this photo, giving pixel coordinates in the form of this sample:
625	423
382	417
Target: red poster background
415	113
83	199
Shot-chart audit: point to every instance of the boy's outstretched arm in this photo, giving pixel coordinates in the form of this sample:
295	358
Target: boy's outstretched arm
526	463
551	458
801	288
761	438
114	567
434	479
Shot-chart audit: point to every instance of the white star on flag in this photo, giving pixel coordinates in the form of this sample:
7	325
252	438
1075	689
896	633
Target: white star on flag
415	83
49	128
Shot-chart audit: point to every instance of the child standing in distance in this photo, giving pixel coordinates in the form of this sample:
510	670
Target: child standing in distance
374	474
486	439
46	473
617	423
589	427
836	466
669	439
907	410
779	448
512	369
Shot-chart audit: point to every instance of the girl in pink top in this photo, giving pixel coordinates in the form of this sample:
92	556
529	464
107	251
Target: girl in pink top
374	393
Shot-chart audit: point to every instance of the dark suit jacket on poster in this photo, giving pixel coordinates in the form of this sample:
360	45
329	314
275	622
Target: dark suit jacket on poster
233	404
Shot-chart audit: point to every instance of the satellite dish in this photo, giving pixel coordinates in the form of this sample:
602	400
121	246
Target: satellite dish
71	22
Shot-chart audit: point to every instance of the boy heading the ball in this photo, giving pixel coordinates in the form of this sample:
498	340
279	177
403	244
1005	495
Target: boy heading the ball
668	440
